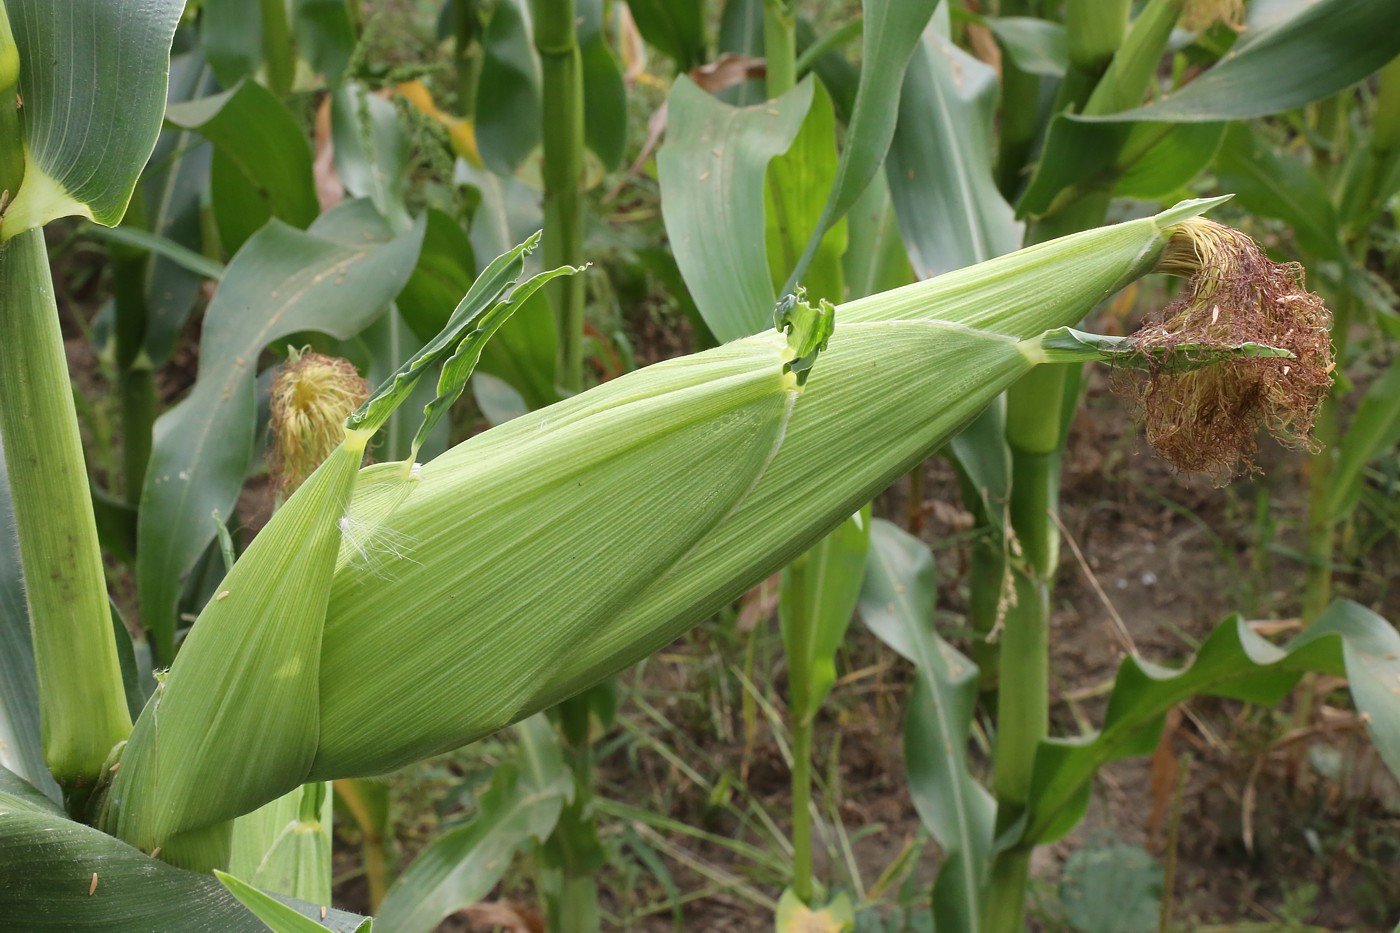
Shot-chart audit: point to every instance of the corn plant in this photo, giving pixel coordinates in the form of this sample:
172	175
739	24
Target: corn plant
390	612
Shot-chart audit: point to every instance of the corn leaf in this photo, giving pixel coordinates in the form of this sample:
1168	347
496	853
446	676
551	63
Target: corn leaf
284	846
1327	46
1067	345
675	27
897	603
1036	46
86	140
940	161
50	862
1374	429
173	185
508	95
334	278
1347	640
891	33
1271	183
604	92
379	171
262	150
279	916
20	748
461	866
712	171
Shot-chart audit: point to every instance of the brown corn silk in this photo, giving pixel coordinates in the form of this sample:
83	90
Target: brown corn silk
1208	420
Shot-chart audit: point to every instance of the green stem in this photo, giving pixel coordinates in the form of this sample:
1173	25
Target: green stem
1005	907
779	47
11	130
797	623
1320	532
561	68
1019	125
466	54
574	908
82	702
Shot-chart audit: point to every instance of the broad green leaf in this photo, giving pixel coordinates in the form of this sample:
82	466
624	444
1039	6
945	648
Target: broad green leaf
231	35
50	863
940	161
86	140
173	185
897	604
20	748
285	846
712	171
815	617
187	259
461	866
1036	46
263	155
891	34
333	278
325	37
1271	183
741	33
1329	45
1347	640
676	27
508	96
279	916
875	259
797	182
378	171
445	270
1158	160
1373	430
604	93
1141	159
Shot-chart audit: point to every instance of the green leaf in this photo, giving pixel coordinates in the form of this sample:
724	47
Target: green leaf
1112	889
712	170
202	266
814	622
891	34
444	273
461	866
1067	345
875	259
491	299
280	917
325	37
263	154
1036	46
457	368
231	35
1132	159
940	162
20	748
1270	183
49	863
675	27
285	846
604	93
174	184
1328	46
334	278
1347	640
508	96
1372	431
378	171
897	604
86	140
797	182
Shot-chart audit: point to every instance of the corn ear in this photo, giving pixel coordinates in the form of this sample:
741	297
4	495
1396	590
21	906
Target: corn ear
235	721
538	557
